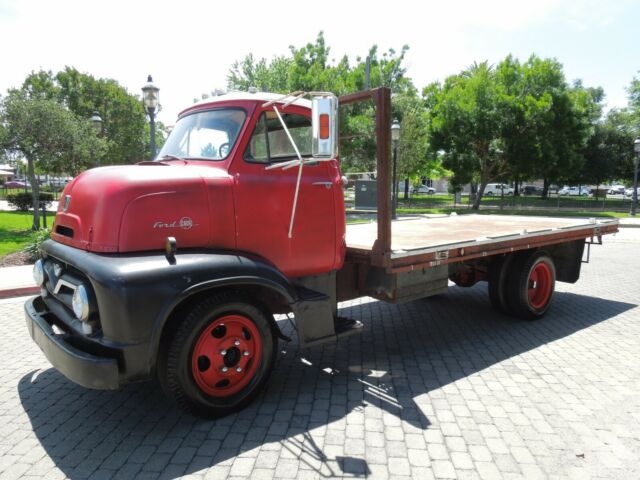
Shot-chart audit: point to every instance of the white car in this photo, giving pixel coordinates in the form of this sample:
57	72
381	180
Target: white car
423	189
495	189
573	191
629	192
616	190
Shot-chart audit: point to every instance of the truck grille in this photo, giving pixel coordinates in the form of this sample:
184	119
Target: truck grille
61	281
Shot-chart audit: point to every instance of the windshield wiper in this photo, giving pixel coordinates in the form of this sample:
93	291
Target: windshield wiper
160	161
171	157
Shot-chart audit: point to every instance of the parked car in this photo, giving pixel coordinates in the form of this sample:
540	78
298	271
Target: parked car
494	189
16	184
616	190
574	191
423	189
531	190
629	192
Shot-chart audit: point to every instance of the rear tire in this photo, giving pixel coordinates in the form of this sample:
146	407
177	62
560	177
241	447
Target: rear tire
497	282
530	285
219	357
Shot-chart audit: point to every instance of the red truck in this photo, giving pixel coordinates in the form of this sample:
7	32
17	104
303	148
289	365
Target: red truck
175	268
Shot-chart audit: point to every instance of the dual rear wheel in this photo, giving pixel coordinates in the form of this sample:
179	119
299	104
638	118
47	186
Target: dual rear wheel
522	284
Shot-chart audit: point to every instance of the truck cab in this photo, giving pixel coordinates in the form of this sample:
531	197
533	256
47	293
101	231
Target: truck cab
217	183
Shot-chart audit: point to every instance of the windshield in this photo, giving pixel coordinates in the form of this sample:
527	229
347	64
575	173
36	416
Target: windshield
206	135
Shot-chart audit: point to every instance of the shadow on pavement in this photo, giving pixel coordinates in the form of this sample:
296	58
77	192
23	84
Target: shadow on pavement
404	353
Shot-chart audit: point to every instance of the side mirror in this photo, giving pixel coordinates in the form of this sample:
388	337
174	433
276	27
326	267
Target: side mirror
324	126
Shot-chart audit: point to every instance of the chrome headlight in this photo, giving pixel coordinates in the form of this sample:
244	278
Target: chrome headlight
80	303
38	273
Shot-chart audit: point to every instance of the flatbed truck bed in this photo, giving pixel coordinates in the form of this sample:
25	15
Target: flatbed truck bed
430	241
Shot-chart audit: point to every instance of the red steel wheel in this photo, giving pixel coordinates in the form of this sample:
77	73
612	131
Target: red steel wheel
540	285
226	355
530	284
219	354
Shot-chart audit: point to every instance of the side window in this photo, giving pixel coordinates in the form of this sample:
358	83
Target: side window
258	148
269	141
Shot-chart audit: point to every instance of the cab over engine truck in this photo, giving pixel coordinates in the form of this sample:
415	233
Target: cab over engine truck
175	268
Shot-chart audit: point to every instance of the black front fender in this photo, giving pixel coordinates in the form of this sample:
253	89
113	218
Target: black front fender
137	293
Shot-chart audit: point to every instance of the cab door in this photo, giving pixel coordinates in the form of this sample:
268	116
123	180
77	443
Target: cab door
264	192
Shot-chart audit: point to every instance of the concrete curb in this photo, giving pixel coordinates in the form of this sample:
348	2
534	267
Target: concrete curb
19	292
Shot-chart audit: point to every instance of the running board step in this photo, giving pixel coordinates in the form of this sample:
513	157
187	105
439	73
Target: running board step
315	321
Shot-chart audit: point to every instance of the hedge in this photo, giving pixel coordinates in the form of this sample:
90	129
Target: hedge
24	201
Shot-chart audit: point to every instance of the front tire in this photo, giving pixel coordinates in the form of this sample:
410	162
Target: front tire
219	357
530	285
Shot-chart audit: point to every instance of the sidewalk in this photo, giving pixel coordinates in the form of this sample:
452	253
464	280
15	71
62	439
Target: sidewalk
17	281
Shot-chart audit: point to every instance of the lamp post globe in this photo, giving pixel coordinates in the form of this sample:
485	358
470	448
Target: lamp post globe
96	122
151	101
395	137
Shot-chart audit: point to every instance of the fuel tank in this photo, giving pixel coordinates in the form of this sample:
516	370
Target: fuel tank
136	207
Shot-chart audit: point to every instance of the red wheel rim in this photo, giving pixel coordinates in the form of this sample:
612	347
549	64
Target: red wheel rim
540	281
226	356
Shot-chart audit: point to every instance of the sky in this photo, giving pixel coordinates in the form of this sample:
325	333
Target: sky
189	46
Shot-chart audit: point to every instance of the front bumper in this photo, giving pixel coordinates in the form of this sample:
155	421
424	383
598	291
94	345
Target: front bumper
83	368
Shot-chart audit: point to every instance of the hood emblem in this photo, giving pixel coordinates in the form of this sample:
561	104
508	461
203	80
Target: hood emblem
185	223
67	201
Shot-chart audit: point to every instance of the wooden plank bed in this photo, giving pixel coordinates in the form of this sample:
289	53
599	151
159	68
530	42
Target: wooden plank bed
422	242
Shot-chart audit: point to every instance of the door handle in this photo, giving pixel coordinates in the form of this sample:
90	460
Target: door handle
327	185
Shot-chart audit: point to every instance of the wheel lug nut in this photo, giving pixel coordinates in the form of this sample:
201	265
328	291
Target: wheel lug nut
224	369
245	353
223	352
237	342
239	369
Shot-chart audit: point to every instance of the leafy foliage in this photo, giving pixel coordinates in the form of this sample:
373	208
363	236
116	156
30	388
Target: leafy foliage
33	247
309	68
513	121
48	136
467	121
23	201
125	128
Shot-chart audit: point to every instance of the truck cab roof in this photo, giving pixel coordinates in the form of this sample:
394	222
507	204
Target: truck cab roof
261	97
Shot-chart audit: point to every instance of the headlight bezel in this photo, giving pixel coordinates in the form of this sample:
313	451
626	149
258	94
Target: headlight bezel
80	303
39	273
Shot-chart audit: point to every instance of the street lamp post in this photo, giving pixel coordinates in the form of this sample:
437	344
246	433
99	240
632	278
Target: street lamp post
395	137
634	197
150	98
96	123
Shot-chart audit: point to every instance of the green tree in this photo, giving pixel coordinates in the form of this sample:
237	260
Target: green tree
516	121
124	121
633	92
310	68
620	130
467	118
49	136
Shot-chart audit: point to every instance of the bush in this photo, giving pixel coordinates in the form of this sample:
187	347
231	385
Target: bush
23	201
33	247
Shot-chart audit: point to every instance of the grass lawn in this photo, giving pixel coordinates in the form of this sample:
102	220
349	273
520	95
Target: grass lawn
529	202
507	211
15	230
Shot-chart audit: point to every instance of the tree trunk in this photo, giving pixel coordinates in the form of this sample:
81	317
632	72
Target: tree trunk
35	194
406	189
479	194
545	188
516	187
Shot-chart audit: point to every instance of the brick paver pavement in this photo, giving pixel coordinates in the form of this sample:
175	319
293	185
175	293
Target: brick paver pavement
438	388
